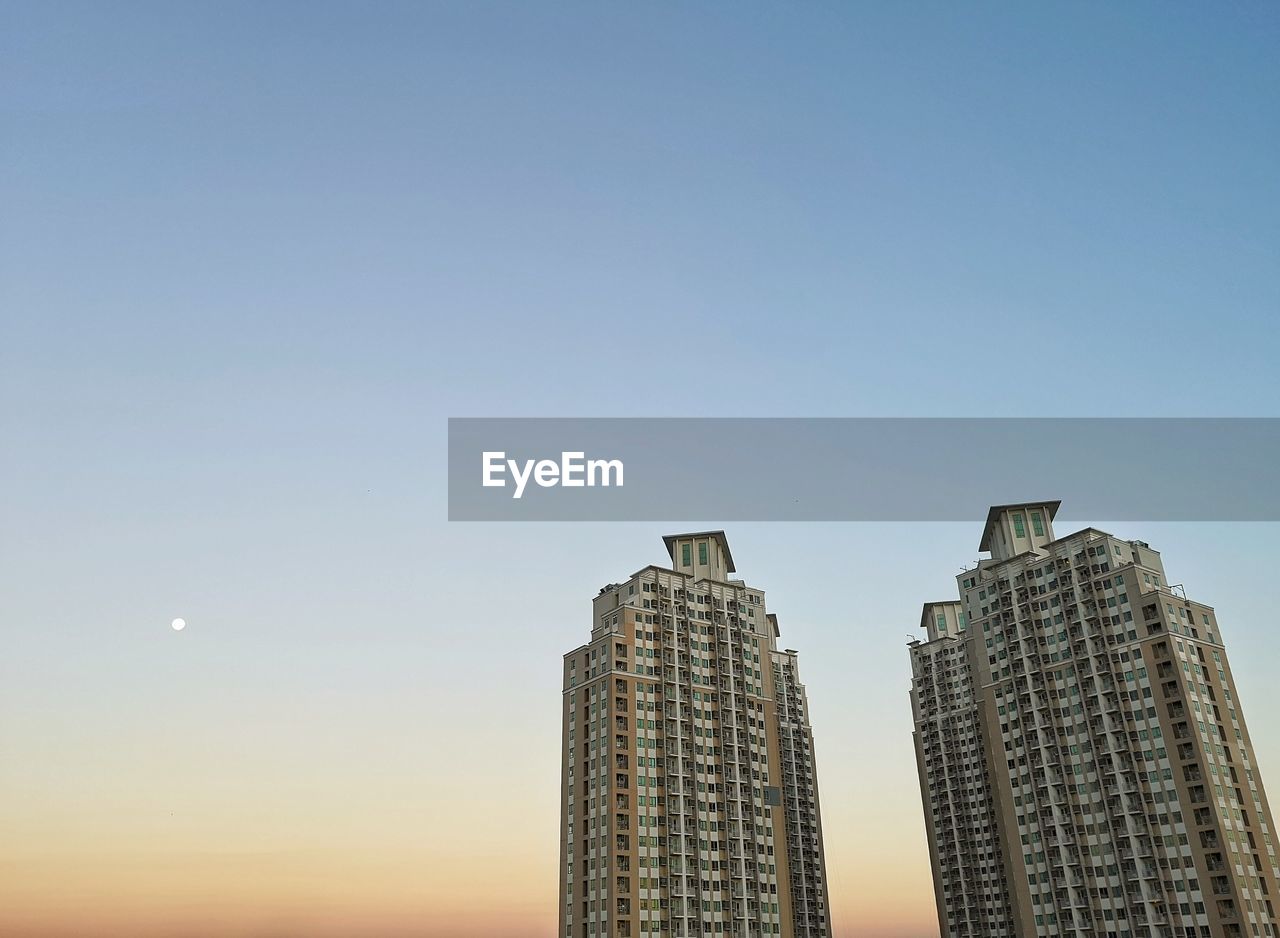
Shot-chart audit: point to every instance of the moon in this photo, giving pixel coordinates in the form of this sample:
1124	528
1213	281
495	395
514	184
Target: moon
178	624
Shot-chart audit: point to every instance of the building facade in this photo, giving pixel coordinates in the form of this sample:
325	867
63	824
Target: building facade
1085	766
689	794
969	878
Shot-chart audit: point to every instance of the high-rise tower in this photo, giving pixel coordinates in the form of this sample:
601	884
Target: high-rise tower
1084	762
689	796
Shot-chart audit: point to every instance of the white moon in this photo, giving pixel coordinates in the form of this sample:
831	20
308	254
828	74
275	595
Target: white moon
179	624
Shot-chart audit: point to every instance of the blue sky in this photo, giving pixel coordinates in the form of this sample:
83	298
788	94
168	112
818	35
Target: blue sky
456	208
252	257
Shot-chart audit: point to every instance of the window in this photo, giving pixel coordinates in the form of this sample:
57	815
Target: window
702	552
1019	525
1037	523
685	557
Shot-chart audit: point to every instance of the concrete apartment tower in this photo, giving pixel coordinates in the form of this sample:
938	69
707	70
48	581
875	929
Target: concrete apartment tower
689	797
1084	762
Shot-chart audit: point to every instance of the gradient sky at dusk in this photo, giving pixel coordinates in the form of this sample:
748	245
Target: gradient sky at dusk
253	256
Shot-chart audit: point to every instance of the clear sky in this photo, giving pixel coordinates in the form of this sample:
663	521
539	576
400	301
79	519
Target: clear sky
253	256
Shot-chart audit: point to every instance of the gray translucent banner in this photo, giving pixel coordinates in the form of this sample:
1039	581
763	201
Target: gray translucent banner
861	469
